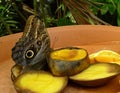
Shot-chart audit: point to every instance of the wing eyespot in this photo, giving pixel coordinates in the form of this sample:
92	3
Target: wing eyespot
29	54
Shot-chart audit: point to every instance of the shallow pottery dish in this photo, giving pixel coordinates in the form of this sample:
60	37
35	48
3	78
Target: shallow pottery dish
91	37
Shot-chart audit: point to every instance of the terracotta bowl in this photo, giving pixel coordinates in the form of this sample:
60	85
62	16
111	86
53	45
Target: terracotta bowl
90	37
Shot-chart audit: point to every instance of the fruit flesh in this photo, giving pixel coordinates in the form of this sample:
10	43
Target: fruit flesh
68	61
97	71
69	54
15	71
40	82
105	56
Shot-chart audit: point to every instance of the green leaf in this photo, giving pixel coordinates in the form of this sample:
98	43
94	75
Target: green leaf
111	9
2	7
64	21
70	16
104	9
11	21
118	10
60	7
118	20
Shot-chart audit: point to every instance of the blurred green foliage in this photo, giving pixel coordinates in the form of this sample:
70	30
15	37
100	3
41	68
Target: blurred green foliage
8	24
13	13
108	10
11	19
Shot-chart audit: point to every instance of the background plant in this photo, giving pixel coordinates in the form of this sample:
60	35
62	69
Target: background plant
11	18
107	10
14	13
7	22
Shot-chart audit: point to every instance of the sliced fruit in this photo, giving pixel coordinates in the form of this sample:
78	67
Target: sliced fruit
105	56
39	82
92	57
15	71
97	74
68	61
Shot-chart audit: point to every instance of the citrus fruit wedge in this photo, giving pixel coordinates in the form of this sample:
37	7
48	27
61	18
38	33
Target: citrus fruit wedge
105	56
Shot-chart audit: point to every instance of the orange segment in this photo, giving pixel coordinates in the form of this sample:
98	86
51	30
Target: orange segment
105	56
92	57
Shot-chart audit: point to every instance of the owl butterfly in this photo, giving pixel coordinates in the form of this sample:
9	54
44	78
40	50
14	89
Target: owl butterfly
33	46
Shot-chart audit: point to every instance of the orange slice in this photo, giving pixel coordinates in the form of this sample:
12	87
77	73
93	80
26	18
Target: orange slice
105	56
